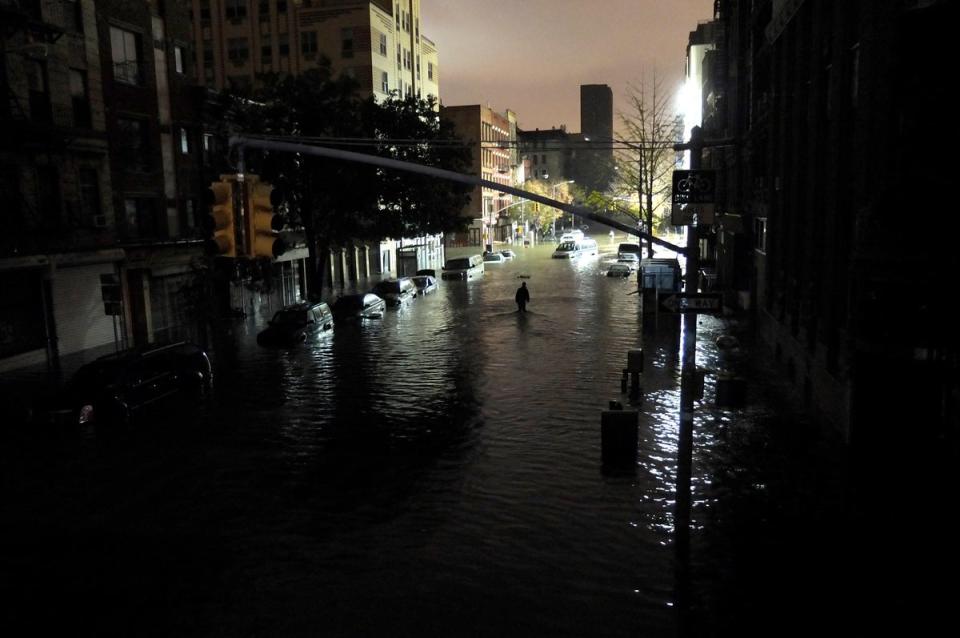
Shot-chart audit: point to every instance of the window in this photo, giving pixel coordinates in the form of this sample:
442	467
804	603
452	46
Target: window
90	205
383	44
236	10
205	13
80	98
346	43
760	234
132	143
207	54
237	50
281	6
308	43
178	59
125	49
184	141
208	144
283	44
73	15
48	194
139	218
264	8
266	55
37	82
430	70
384	82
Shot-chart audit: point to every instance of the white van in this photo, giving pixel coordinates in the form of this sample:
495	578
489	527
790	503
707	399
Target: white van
464	268
571	235
574	248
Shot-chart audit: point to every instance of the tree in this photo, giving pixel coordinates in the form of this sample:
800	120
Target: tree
338	202
652	128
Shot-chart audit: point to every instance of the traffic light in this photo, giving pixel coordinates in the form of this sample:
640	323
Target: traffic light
262	221
220	219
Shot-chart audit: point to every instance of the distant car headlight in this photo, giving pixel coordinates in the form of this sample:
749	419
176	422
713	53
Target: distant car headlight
86	415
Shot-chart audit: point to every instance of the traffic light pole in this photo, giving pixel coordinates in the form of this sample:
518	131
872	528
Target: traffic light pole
688	392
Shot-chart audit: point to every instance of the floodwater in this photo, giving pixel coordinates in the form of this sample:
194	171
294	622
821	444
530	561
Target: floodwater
436	472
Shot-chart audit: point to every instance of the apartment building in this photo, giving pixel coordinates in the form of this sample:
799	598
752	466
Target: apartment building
492	137
377	42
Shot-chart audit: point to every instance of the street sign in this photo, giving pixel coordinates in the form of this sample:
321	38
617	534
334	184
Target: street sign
699	302
693	196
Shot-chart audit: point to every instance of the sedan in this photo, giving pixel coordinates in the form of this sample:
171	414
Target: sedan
295	324
508	254
619	270
425	283
493	258
362	306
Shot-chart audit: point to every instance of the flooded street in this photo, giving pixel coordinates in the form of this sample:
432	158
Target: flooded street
435	472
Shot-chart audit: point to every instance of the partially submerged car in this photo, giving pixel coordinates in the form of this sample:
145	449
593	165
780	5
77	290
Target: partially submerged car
395	291
296	323
508	254
362	306
619	270
119	388
493	258
425	283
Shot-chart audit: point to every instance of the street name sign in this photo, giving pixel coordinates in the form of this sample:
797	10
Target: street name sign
693	197
699	302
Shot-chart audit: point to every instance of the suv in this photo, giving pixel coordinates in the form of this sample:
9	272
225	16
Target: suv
118	387
395	291
293	324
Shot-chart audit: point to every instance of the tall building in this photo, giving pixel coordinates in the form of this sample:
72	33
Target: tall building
592	167
492	137
596	111
377	42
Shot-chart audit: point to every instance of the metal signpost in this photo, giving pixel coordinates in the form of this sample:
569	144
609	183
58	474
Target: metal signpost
694	194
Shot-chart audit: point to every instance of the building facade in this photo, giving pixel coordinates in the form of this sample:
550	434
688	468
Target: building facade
492	137
827	109
376	42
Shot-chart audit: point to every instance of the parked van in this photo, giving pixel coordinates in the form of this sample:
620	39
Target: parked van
463	268
660	274
573	249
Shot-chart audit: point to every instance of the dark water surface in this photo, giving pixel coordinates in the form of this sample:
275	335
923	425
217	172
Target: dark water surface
436	472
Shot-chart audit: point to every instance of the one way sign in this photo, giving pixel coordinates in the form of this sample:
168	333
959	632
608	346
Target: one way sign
699	302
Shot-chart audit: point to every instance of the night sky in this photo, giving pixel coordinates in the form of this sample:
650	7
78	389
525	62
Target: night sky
532	56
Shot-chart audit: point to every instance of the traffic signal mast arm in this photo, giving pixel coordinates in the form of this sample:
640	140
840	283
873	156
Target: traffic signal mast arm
350	156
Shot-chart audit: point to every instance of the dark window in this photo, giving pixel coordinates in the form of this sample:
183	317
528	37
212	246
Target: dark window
281	6
308	43
283	44
207	55
236	10
133	147
266	54
73	15
80	98
264	8
237	50
48	183
140	219
40	110
383	44
205	13
346	43
125	50
90	205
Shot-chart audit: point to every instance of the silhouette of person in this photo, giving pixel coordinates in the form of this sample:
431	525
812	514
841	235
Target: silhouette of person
522	297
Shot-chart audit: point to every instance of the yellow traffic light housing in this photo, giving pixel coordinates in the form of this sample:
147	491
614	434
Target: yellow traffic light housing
220	222
262	221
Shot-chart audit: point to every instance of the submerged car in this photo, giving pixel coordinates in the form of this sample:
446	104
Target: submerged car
508	254
362	306
395	291
425	283
118	388
619	270
296	323
631	260
493	258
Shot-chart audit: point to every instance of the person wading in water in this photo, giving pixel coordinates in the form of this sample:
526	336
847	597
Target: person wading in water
522	297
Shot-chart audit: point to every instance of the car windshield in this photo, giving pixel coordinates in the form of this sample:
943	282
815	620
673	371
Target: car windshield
96	375
458	264
290	317
567	245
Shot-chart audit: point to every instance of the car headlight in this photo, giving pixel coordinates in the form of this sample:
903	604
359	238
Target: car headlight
86	415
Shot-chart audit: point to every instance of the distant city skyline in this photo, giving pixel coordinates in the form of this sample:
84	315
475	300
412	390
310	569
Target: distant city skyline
532	57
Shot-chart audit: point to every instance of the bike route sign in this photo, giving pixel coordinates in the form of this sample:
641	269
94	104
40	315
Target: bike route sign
699	302
693	197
